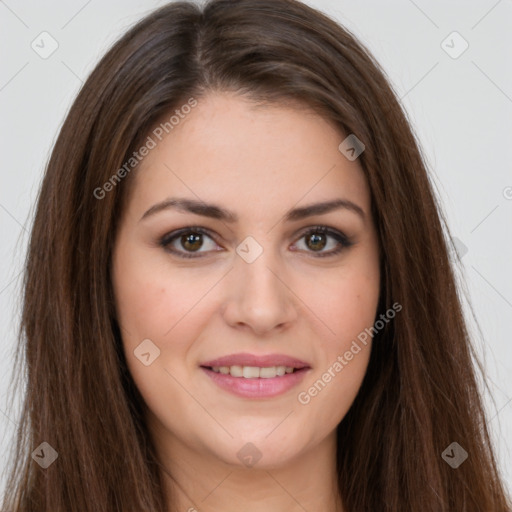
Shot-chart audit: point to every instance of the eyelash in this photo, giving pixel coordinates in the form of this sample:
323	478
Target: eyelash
343	240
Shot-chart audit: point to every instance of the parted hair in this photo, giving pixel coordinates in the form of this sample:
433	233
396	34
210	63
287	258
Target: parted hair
420	392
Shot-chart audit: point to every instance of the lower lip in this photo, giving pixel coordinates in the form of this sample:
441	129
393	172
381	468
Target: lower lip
258	387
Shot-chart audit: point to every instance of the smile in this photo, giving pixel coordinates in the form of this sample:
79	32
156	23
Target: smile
255	382
254	372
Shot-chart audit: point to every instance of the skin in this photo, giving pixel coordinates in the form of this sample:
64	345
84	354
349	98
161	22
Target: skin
258	162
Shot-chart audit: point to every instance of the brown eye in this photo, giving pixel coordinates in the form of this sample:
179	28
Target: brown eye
316	241
191	242
185	242
318	238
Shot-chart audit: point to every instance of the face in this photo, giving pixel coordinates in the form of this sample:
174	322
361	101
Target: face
260	280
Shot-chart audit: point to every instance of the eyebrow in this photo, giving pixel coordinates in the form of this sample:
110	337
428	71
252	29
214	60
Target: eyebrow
217	212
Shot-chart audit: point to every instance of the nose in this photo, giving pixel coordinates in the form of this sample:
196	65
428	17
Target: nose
258	296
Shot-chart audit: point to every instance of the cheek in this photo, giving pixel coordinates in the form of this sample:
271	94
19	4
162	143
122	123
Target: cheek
156	304
348	307
152	299
346	303
349	310
350	313
163	304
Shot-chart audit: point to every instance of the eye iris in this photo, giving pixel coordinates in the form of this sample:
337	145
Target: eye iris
191	241
315	238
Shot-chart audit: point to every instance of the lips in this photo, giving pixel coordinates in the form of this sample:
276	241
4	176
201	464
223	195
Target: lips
255	376
263	361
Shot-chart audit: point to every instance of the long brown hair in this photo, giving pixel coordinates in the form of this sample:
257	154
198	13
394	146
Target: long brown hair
420	392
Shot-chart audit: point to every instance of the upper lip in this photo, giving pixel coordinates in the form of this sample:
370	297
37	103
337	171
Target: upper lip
262	361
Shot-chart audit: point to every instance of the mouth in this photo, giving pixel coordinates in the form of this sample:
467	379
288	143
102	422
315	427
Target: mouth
261	362
254	372
252	376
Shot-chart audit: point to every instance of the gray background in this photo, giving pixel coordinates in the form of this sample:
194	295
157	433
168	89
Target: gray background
461	109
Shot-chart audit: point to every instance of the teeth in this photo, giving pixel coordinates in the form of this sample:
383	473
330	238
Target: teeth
250	372
267	373
253	372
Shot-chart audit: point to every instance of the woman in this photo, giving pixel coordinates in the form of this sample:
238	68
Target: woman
238	291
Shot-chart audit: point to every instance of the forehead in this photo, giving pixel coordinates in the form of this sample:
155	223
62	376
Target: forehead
256	158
